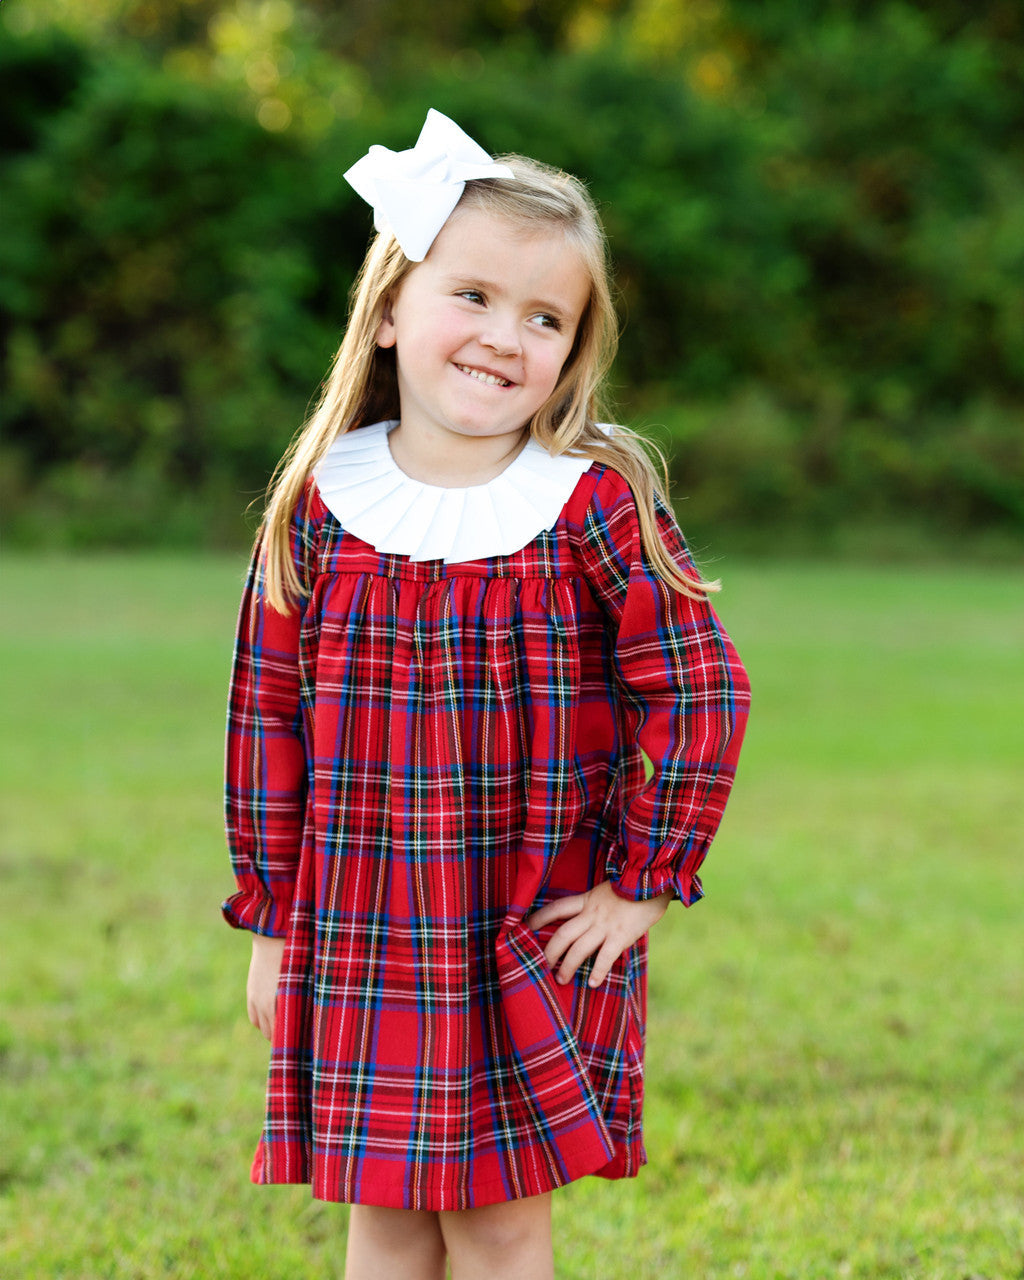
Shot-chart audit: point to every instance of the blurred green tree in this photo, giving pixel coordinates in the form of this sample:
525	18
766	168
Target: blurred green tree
816	214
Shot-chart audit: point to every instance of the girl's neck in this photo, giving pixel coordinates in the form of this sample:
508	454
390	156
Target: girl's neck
455	462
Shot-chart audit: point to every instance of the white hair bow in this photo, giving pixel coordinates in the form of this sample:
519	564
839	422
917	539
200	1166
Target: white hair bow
414	192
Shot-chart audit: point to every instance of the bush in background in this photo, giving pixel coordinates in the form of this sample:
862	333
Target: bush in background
818	233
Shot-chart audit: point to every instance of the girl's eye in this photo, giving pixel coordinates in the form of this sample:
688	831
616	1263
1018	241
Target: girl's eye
471	295
548	322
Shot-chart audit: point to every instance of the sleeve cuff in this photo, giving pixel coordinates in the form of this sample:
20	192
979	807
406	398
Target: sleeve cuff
639	883
259	914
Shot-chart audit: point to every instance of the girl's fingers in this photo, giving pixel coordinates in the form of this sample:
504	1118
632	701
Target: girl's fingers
261	984
264	1020
564	937
577	953
559	909
261	1013
257	1017
606	957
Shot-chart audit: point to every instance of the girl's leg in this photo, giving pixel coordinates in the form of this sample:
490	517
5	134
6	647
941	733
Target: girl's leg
393	1244
508	1241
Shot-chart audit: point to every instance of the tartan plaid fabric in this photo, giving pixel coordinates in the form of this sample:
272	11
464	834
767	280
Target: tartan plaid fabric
417	760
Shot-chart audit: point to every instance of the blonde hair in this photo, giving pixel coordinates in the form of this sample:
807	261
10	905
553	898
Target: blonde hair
362	386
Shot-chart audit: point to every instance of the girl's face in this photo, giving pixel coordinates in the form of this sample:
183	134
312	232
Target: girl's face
483	326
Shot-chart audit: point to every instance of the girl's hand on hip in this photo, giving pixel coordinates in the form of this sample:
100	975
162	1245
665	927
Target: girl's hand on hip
597	923
261	987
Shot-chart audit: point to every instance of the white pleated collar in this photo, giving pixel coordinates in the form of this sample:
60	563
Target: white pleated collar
364	489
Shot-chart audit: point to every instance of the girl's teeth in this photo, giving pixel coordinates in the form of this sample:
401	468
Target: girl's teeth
489	378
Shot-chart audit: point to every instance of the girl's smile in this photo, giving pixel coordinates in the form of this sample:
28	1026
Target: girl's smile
481	329
482	375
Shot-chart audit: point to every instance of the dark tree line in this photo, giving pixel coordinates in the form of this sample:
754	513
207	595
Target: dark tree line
816	214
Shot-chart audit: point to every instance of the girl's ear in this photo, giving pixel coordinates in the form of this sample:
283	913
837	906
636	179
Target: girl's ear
386	336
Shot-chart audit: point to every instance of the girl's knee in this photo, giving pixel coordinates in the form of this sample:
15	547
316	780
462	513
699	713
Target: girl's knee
393	1230
393	1244
501	1237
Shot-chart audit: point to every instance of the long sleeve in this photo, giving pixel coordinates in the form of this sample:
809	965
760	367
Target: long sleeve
683	696
265	764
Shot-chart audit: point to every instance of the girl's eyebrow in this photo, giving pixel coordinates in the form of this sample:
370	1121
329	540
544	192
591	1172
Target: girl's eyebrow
472	282
489	286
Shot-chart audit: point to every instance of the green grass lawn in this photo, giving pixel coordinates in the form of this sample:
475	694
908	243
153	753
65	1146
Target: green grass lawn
836	1061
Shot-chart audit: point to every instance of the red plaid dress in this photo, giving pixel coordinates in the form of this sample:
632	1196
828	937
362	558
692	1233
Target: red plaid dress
417	759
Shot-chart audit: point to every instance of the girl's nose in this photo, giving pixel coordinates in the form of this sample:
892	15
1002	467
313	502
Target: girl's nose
501	337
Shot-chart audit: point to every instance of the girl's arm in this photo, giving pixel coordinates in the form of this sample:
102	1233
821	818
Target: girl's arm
266	770
683	698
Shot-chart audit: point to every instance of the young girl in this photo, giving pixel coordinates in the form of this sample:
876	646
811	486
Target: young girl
468	618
